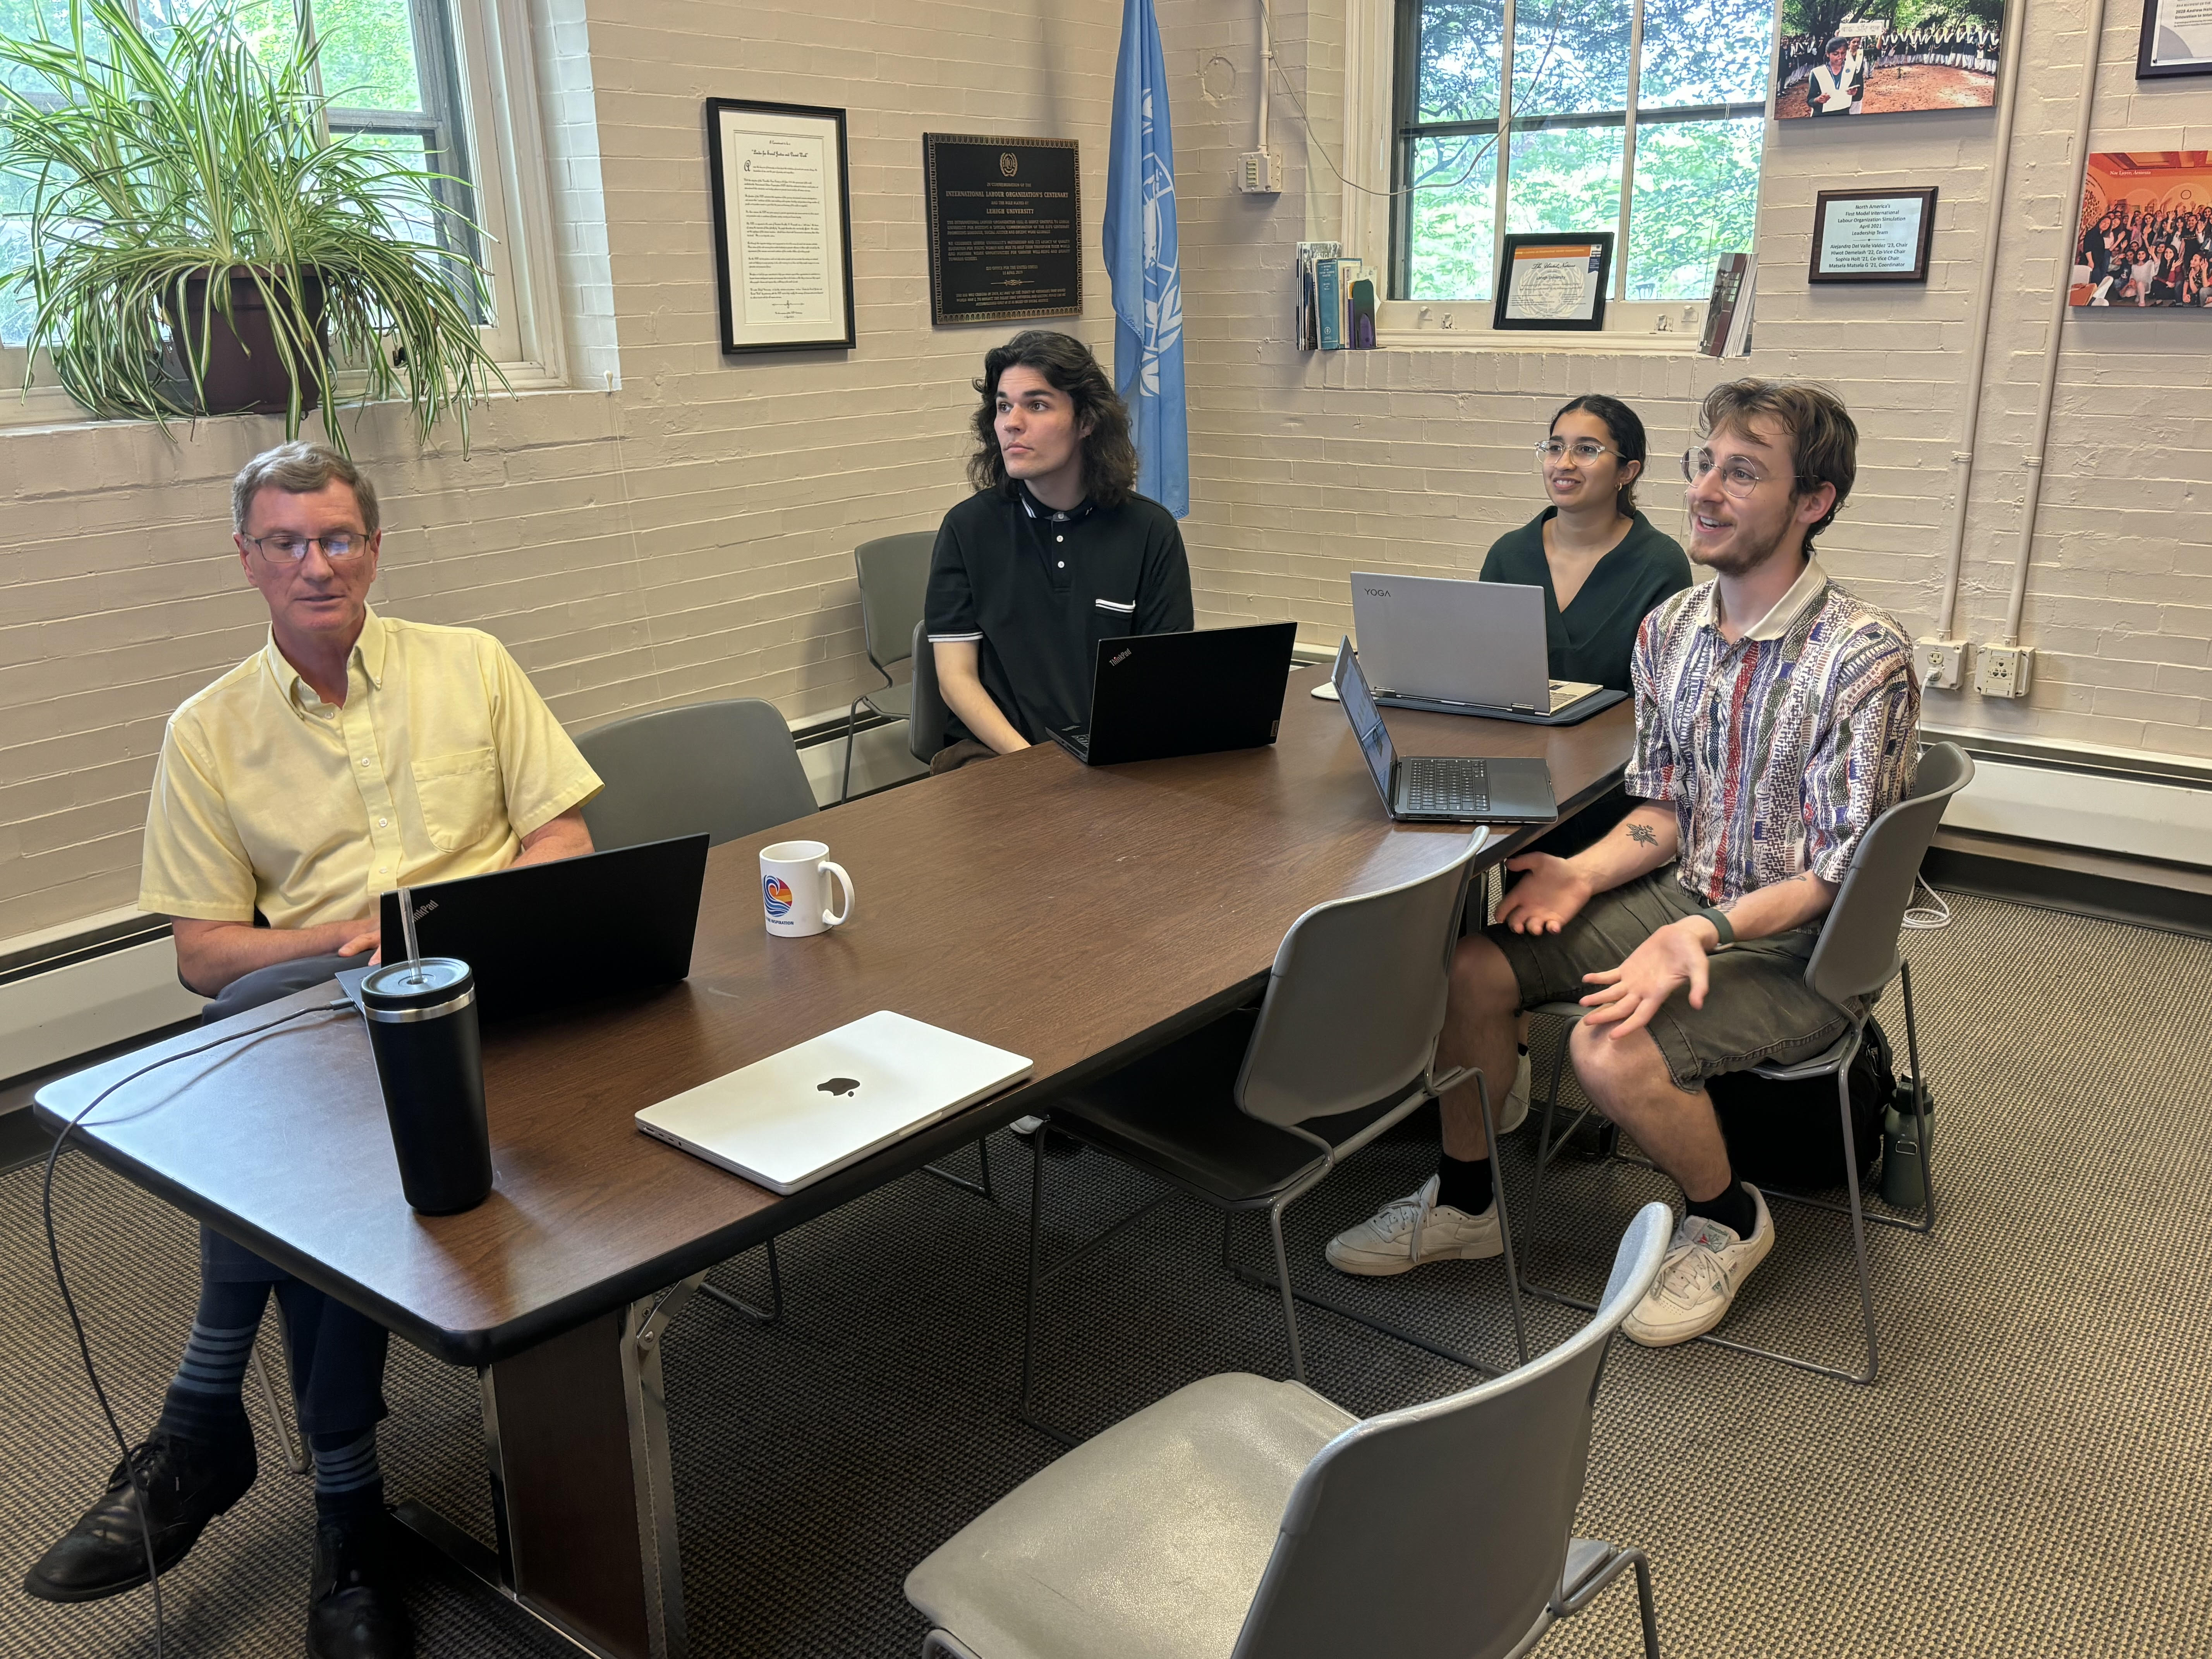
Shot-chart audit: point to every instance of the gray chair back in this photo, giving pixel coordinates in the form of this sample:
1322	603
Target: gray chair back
727	768
1356	998
1440	1531
1858	952
925	728
894	573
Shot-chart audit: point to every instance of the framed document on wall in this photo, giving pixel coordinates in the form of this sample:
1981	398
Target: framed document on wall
783	225
1872	235
2176	38
1006	227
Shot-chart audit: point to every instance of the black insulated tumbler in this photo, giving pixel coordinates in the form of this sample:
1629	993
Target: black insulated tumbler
422	1028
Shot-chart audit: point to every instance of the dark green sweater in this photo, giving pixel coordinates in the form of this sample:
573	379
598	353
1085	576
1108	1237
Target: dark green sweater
1595	637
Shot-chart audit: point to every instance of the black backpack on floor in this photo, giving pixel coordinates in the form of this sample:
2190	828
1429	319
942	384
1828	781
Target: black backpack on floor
1787	1134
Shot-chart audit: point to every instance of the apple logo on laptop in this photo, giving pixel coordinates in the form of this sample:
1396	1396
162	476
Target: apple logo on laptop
838	1085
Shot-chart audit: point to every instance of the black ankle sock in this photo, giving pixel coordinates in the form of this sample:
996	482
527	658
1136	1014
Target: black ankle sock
1463	1183
1732	1208
204	1402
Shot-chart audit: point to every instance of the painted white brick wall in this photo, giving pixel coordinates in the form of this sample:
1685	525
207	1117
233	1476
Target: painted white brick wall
1307	466
691	535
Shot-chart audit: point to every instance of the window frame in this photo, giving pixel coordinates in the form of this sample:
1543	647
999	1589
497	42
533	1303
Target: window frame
1406	130
485	87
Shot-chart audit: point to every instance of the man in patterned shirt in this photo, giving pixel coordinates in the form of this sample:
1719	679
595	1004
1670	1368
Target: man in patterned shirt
1775	719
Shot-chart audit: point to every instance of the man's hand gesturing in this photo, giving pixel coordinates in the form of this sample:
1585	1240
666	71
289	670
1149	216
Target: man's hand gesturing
1630	994
1550	894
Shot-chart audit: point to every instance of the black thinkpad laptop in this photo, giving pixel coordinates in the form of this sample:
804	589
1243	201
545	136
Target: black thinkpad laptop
1155	696
1439	788
528	933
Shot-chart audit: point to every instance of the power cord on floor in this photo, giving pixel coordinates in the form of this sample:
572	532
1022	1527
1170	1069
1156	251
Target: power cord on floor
77	1321
1933	913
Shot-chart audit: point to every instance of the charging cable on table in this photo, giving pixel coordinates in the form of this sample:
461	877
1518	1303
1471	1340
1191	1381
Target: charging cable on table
68	1302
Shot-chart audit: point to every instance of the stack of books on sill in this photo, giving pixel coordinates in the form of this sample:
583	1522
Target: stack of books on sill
1336	301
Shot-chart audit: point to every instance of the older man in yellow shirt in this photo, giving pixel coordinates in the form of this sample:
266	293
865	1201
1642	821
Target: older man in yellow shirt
353	754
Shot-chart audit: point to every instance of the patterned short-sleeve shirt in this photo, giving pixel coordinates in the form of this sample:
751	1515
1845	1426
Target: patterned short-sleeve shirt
1777	751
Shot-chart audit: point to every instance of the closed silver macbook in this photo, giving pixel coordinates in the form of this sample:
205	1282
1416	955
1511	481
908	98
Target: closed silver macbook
1431	640
786	1121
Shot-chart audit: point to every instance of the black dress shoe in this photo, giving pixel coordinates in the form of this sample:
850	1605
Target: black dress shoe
186	1483
354	1612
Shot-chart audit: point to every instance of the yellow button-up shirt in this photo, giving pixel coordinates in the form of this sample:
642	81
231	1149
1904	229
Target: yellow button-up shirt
442	758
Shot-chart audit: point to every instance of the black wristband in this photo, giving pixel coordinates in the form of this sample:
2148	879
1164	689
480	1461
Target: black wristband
1720	926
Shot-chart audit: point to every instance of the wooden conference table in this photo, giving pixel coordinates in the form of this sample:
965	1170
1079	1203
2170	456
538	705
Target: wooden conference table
1079	916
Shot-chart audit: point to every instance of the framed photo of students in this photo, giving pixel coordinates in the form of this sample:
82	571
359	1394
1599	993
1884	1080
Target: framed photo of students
783	225
2176	38
1872	235
1553	282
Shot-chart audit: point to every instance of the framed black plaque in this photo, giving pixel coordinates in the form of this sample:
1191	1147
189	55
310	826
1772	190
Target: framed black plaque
1872	235
1006	227
783	225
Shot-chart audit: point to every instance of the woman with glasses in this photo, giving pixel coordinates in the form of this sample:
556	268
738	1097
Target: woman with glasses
1602	565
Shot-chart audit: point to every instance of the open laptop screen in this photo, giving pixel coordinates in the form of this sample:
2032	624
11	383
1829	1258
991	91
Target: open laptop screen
1366	719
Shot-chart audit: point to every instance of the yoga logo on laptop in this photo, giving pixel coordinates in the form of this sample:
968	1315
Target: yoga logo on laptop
776	893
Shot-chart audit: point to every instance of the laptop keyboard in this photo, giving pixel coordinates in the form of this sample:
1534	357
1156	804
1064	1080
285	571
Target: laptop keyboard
1445	784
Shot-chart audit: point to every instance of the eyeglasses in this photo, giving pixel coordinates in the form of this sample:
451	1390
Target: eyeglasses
290	549
1738	477
1584	450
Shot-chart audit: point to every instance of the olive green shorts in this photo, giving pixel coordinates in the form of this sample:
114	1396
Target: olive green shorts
1758	1006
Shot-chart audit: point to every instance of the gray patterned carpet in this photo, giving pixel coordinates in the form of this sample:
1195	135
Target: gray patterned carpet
2030	1477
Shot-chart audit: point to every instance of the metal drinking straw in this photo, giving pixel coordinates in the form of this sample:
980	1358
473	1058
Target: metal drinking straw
407	928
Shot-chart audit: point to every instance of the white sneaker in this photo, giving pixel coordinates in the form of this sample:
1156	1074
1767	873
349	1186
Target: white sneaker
1026	1126
1407	1232
1515	1112
1706	1264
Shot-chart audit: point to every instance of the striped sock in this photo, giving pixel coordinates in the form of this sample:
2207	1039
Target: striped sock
205	1401
347	1478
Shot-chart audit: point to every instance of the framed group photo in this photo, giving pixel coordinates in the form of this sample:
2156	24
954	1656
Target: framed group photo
783	225
1835	57
2144	238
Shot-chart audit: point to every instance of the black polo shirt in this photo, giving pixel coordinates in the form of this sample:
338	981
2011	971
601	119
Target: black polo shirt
1037	589
1593	638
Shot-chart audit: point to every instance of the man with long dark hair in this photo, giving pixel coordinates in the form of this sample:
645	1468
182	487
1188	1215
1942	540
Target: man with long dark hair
1054	551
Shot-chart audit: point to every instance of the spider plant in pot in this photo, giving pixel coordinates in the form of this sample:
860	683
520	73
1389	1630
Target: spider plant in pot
199	244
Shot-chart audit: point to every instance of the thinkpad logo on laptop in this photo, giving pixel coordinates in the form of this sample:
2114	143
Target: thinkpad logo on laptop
1118	659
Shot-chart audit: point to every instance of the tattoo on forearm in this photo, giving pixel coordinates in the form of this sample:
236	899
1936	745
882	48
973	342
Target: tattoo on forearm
1642	834
1727	905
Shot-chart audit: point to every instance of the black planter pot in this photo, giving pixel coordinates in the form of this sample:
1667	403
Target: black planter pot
245	374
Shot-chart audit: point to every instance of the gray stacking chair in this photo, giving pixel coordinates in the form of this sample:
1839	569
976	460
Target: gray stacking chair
1243	1519
1856	956
894	572
728	768
1346	1032
925	726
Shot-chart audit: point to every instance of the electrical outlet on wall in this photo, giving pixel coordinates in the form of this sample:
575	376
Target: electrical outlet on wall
2003	671
1259	173
1941	664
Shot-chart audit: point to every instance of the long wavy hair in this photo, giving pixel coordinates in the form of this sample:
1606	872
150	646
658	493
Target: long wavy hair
1110	459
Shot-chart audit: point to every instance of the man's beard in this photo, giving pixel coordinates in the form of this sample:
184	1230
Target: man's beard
1737	564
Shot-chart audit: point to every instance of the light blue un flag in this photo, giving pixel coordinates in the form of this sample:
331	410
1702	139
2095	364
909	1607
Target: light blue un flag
1142	265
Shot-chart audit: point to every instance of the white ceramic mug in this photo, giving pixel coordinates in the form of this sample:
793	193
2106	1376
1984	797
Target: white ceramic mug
795	889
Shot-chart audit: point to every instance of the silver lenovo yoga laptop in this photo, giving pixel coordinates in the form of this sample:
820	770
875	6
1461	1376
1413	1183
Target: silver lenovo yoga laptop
1453	646
786	1121
1439	788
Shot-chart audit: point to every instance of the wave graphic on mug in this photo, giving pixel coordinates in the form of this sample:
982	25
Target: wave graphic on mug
775	893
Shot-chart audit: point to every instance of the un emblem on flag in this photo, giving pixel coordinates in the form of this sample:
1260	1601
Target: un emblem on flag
1007	163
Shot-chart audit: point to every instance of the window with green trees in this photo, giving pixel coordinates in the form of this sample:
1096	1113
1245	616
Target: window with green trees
1645	117
389	66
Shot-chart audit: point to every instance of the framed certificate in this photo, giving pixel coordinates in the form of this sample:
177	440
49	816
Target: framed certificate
1872	235
1555	282
783	225
2176	38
